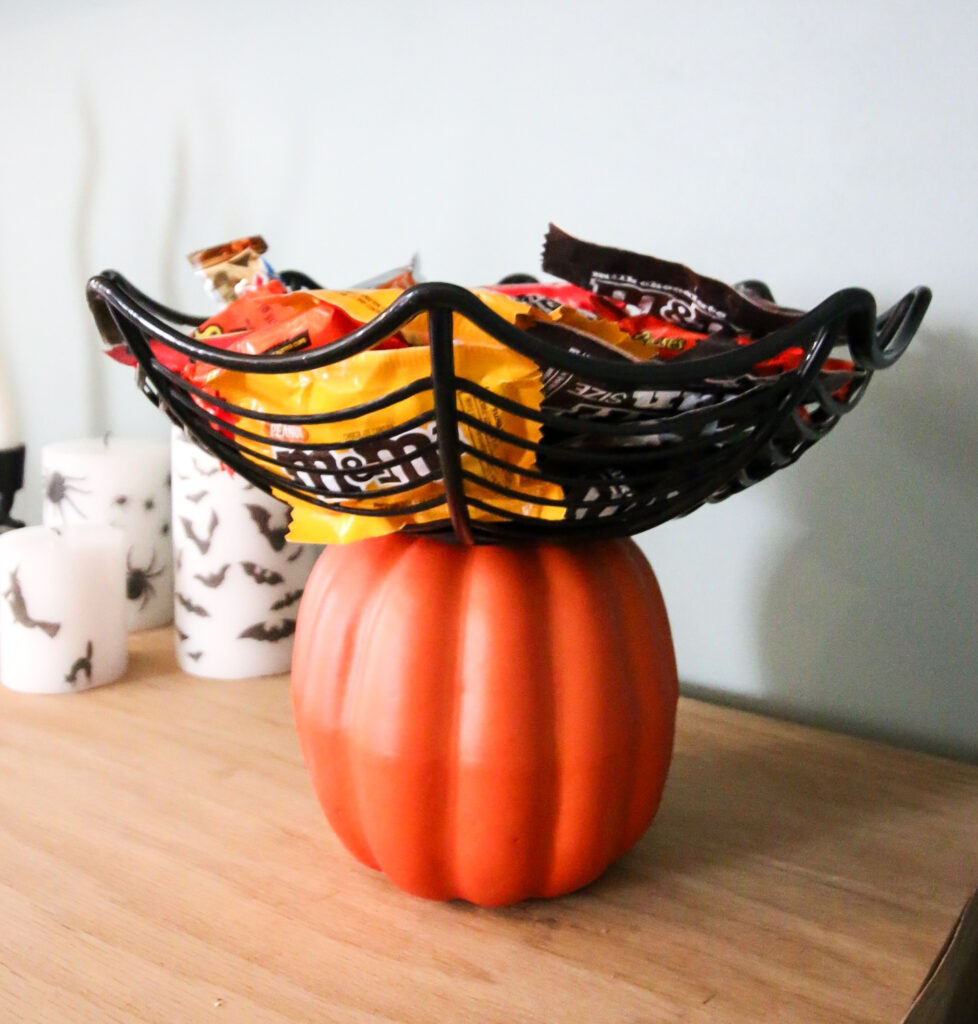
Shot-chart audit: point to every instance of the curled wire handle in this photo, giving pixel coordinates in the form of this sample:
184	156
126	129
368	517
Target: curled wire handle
895	329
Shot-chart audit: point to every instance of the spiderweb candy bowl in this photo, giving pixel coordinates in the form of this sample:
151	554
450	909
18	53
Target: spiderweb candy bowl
696	431
511	735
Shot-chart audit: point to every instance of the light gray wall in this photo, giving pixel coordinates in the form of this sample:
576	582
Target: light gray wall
815	146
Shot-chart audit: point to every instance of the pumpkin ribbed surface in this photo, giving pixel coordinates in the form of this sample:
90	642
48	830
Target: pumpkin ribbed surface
489	723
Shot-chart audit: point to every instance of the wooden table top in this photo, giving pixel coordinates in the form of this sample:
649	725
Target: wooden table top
163	860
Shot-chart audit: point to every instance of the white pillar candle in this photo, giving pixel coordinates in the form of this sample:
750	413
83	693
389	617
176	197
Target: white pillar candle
63	608
237	581
9	433
11	448
126	484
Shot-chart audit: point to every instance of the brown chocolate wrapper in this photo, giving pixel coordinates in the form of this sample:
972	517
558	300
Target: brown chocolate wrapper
674	412
666	290
611	492
569	393
228	266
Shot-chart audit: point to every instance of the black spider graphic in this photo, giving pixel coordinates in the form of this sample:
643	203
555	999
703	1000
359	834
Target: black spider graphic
59	488
139	582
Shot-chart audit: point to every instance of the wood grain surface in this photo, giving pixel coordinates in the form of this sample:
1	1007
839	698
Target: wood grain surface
163	860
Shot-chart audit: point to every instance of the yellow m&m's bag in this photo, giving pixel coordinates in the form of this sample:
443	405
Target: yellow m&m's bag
385	461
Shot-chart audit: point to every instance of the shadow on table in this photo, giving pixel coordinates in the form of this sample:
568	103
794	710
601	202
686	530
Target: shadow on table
728	800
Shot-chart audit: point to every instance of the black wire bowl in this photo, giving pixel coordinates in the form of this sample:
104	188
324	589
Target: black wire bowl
691	431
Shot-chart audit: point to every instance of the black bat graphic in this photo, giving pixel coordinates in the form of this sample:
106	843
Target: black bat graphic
183	636
262	518
260	575
194	654
203	543
269	632
81	665
18	607
196	497
205	472
285	602
215	579
194	609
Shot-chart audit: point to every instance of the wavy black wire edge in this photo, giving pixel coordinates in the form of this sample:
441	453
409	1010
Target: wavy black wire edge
610	486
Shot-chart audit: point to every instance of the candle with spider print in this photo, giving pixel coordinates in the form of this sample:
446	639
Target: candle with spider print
62	608
123	483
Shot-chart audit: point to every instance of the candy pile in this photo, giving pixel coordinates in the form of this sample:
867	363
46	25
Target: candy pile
609	304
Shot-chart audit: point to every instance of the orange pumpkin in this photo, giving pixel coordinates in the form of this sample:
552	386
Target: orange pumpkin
489	723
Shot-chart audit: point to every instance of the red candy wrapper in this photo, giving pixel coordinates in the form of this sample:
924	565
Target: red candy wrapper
257	304
550	296
277	324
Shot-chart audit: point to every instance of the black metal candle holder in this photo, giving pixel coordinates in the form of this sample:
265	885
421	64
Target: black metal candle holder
11	481
703	428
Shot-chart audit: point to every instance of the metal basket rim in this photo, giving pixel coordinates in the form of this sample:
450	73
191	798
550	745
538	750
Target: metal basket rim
848	317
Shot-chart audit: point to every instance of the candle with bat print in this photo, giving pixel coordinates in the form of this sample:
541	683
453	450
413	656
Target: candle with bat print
237	580
62	608
124	483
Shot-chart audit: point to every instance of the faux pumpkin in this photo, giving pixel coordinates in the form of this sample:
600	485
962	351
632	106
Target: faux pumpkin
489	723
